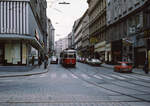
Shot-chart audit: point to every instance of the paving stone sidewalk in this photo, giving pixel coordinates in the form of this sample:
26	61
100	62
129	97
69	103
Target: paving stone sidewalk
135	70
34	71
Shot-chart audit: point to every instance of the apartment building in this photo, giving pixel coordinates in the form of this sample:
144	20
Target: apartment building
97	27
125	28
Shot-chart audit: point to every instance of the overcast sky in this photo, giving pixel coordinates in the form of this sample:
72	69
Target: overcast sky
63	16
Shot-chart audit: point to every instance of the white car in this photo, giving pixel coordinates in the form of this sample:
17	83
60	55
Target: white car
54	60
95	62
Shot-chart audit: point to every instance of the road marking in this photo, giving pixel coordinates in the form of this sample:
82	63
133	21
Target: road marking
74	76
98	77
44	75
141	77
118	77
128	76
85	76
106	77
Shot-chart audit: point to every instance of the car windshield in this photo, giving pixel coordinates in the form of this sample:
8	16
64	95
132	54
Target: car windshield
124	64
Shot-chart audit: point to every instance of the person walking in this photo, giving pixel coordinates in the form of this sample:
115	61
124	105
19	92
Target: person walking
146	67
39	61
45	62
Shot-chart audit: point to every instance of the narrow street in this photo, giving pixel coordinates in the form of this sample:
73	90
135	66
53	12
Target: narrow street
84	85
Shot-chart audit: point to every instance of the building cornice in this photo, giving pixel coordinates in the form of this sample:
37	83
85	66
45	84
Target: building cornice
93	7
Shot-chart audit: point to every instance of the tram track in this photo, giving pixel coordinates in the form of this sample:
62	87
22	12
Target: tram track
114	83
98	85
97	71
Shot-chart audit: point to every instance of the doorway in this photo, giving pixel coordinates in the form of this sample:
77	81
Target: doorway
1	54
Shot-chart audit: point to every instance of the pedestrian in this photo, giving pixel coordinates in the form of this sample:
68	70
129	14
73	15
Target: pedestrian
39	61
32	60
146	67
45	62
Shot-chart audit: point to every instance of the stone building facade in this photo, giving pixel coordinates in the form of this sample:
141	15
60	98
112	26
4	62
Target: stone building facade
125	24
97	27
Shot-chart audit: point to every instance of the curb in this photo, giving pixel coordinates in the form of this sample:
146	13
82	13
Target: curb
20	75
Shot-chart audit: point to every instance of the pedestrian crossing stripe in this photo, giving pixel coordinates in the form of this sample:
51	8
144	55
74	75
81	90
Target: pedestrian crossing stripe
118	77
104	76
98	77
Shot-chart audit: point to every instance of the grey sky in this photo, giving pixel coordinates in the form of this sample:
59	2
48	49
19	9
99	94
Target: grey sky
63	16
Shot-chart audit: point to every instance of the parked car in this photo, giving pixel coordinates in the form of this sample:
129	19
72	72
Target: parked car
123	67
95	62
87	60
54	60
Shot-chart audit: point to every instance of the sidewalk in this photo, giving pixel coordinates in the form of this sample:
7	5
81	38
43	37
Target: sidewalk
34	71
135	70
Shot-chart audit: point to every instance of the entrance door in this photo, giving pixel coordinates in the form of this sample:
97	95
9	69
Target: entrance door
1	54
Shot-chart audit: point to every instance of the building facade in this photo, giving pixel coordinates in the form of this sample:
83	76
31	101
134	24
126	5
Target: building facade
70	40
85	35
50	38
97	28
125	28
21	31
60	45
77	33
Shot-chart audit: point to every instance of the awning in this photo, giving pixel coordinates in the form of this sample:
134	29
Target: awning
34	42
100	46
100	49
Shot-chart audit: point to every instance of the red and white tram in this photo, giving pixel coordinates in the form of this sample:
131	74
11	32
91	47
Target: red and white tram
68	57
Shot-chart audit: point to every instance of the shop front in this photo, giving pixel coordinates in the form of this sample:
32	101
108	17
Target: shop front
116	49
13	53
100	50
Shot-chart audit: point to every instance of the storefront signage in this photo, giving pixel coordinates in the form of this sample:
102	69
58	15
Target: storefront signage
147	33
93	40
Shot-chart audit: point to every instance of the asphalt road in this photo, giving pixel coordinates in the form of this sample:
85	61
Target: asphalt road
84	85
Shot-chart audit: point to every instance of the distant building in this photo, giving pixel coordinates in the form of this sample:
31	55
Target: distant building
70	40
50	39
22	31
60	45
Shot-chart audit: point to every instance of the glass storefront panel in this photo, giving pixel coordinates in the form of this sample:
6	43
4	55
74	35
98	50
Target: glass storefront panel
12	53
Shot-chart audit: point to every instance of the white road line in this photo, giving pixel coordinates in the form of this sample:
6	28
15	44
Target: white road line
74	76
128	76
96	76
85	76
118	77
43	75
106	77
141	77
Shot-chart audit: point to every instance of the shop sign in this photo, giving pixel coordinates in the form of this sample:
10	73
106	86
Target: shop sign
93	40
147	33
